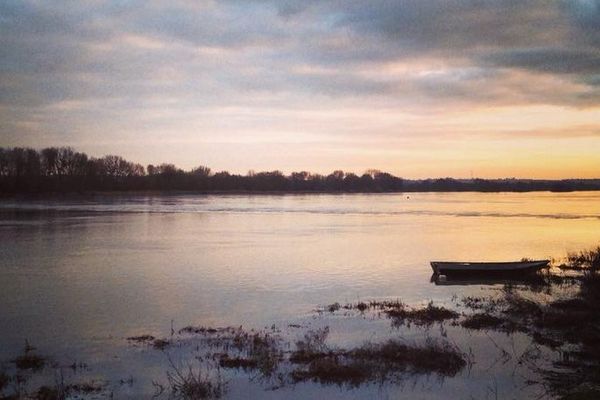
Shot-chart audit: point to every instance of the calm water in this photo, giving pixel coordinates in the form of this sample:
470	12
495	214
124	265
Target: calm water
78	276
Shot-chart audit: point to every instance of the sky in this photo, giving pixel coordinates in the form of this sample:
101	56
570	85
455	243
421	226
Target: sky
418	88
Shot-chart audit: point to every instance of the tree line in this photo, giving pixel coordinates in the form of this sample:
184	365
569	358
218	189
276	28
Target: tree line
63	169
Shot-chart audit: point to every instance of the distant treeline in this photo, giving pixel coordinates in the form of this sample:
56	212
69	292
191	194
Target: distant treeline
62	169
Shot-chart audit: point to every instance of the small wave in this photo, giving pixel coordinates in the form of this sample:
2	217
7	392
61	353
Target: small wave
206	209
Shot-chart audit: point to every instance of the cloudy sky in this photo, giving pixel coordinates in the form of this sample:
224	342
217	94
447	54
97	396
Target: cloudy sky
418	88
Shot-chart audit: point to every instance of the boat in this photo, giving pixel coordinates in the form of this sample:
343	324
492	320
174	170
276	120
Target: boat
487	268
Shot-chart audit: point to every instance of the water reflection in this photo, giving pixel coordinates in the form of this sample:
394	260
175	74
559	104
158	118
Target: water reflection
78	276
443	280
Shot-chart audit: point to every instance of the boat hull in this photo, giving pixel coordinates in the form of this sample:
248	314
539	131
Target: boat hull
487	268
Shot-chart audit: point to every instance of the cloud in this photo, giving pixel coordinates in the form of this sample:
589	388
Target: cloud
550	60
70	70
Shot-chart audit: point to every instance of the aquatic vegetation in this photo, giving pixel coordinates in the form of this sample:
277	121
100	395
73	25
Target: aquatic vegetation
440	358
420	316
573	319
4	380
252	349
141	338
587	260
400	313
29	361
62	392
225	361
376	362
49	393
160	344
331	370
485	303
201	330
190	383
486	321
312	347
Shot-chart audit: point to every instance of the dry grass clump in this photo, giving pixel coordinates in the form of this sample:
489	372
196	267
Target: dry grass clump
250	349
311	347
587	260
376	362
189	383
442	359
420	316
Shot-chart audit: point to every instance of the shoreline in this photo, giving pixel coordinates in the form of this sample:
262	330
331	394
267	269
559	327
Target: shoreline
108	193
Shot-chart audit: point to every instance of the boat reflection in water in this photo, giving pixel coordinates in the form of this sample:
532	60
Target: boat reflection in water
451	280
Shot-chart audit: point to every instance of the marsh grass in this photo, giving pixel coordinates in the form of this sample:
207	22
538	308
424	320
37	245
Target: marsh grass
194	383
569	324
421	316
60	391
400	313
249	350
587	260
318	362
159	344
484	321
30	361
141	338
376	362
226	361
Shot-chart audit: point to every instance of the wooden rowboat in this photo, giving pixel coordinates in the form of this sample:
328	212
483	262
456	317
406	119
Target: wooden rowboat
487	268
